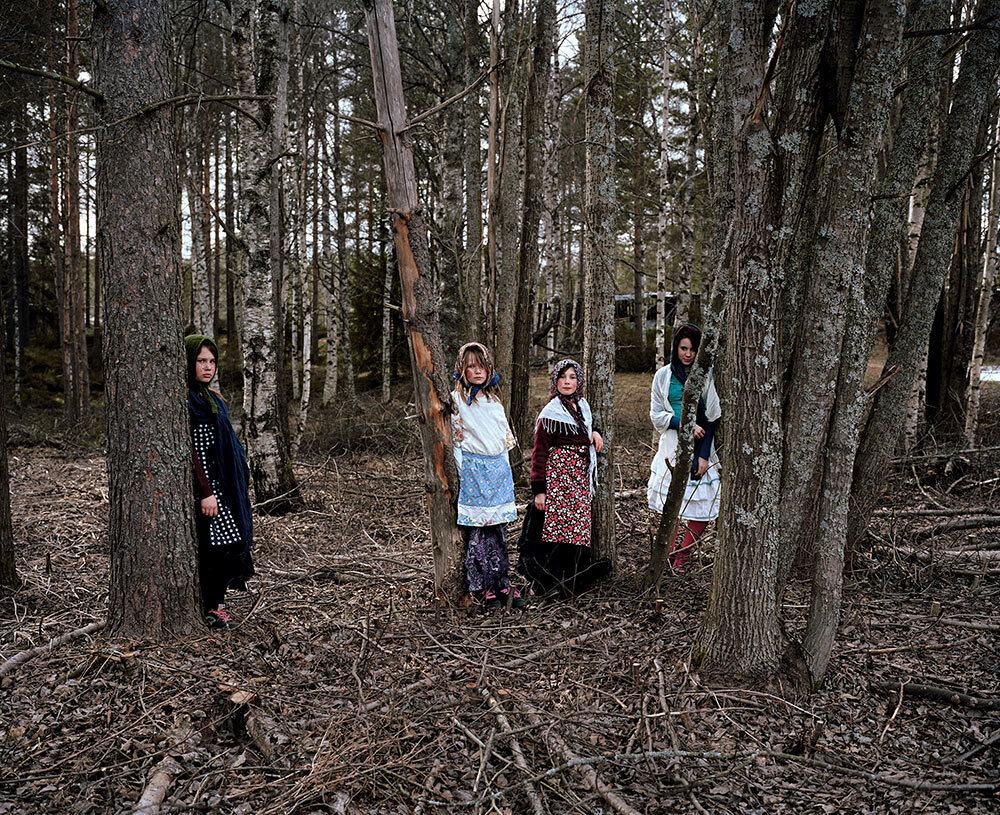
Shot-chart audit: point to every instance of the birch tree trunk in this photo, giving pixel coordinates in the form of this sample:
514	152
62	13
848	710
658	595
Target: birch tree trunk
600	204
979	65
332	268
261	45
154	588
985	296
75	291
740	631
202	317
419	302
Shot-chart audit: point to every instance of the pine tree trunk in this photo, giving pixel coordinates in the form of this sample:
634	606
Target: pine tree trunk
19	258
492	162
473	165
527	264
419	302
8	570
600	204
740	631
234	354
154	590
979	64
662	235
264	415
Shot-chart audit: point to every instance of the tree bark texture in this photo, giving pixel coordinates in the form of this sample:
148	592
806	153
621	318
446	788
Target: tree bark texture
256	26
740	631
600	210
985	296
836	399
838	250
154	589
979	65
420	314
74	291
662	235
8	570
472	157
20	265
528	259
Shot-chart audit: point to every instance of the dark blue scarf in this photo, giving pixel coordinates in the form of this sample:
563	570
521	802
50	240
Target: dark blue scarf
230	460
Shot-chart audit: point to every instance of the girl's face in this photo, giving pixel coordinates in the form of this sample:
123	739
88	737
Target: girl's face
204	366
686	352
475	371
566	383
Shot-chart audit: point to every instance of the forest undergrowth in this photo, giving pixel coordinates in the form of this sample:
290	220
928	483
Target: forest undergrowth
345	689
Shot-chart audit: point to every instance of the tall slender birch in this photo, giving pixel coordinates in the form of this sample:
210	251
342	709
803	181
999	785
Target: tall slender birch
985	296
261	43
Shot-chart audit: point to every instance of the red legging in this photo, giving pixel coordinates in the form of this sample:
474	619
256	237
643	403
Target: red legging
680	550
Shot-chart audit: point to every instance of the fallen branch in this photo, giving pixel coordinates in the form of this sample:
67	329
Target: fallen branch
889	512
156	790
515	748
975	750
615	801
906	783
428	681
55	642
938	694
955	623
975	522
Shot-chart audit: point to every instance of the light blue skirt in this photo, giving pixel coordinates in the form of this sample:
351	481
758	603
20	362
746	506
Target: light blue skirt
485	491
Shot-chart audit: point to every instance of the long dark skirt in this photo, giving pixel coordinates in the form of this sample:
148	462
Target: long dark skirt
221	568
486	561
566	569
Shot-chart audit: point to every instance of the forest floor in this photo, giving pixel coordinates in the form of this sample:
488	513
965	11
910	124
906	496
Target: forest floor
345	689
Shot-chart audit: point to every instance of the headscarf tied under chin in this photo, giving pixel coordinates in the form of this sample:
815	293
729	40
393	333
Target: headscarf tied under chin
571	402
193	343
207	407
491	387
691	332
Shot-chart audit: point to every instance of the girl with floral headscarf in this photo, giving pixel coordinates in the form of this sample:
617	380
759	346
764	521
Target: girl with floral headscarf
563	478
481	438
701	495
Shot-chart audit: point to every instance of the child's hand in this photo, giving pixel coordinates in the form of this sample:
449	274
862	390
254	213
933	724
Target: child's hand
699	431
540	502
209	506
597	441
702	467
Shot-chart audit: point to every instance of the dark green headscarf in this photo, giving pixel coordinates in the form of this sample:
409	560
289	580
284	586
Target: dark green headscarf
193	343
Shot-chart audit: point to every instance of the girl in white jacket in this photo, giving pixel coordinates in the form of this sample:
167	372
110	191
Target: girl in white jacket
701	496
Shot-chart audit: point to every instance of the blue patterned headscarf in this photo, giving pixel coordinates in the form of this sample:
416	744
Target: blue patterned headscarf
491	387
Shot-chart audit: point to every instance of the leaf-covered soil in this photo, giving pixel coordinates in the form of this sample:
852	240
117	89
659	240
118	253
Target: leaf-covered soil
345	689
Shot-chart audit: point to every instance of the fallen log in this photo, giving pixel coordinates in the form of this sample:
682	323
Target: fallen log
937	694
156	790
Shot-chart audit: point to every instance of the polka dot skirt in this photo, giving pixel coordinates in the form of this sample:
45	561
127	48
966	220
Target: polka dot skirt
222	529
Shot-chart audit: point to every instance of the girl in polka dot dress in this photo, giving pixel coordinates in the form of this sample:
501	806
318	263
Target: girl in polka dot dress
481	438
222	484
